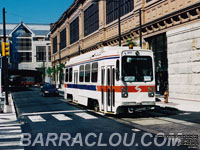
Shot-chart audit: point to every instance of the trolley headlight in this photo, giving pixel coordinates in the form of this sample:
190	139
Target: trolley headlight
151	92
124	92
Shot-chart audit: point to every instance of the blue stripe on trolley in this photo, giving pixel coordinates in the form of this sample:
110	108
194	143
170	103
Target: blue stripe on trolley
82	87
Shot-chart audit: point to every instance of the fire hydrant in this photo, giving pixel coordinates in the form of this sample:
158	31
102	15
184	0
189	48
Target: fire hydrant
166	94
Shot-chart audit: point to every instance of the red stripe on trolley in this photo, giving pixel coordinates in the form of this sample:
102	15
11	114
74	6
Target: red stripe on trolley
131	89
65	85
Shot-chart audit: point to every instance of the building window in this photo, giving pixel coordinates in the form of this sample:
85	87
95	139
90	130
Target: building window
21	32
55	44
87	73
148	1
126	6
23	44
74	31
81	73
91	19
25	56
40	53
94	72
63	39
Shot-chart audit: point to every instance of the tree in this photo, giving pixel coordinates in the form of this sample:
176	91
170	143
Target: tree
49	71
130	42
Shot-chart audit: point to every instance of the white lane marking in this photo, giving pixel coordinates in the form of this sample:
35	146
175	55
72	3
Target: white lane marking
15	136
61	117
85	116
36	119
51	112
15	143
6	125
10	128
136	130
10	131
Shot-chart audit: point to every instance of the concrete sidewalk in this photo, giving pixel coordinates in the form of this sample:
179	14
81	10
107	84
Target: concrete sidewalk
180	104
10	129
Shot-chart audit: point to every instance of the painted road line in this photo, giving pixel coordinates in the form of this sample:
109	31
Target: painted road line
6	125
13	143
10	128
36	119
10	131
85	116
14	136
61	117
51	112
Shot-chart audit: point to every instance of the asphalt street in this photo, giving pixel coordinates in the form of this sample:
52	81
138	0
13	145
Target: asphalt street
53	124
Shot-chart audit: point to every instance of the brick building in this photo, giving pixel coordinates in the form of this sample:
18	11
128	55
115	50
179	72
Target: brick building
169	27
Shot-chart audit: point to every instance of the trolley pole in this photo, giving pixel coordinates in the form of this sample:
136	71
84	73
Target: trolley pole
5	59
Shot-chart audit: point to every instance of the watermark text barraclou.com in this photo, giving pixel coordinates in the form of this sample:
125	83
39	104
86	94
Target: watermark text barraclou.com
98	139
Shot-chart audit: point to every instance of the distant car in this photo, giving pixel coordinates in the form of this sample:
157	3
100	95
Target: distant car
49	90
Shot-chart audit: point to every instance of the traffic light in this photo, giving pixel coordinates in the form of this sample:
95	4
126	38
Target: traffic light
5	49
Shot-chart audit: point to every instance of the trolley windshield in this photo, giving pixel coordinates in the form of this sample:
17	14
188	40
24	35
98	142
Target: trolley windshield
137	69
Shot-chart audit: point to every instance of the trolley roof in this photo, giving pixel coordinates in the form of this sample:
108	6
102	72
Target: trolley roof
104	51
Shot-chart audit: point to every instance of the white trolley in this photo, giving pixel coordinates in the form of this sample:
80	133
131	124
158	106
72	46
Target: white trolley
112	79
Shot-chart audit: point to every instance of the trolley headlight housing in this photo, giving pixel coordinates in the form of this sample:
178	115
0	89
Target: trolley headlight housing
124	92
151	92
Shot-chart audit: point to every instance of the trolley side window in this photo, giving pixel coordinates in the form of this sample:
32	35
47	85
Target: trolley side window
117	70
81	73
70	74
87	73
94	72
66	75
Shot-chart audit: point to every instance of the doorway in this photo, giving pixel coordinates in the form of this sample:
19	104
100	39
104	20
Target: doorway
158	44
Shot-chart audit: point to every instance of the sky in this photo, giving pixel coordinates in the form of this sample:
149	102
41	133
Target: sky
33	11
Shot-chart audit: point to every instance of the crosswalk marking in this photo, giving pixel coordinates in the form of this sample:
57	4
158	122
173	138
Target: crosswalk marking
10	131
10	128
11	124
10	136
36	119
85	116
61	117
13	143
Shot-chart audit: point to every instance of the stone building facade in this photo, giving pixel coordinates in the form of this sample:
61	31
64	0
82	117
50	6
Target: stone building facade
184	62
88	25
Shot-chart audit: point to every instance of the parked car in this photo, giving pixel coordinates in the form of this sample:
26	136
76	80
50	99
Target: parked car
49	89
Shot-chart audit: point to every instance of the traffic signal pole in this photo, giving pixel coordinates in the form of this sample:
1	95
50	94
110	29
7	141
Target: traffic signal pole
5	59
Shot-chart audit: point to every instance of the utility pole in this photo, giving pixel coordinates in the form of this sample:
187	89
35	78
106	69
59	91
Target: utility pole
140	14
119	23
5	59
